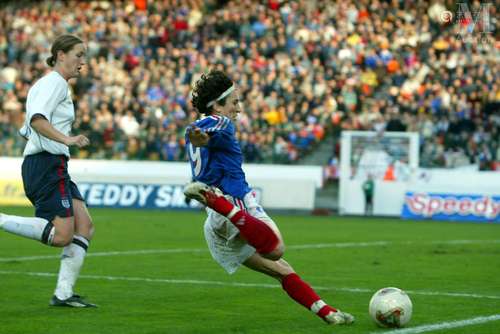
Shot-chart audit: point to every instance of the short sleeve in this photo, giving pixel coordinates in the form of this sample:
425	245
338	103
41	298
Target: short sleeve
45	99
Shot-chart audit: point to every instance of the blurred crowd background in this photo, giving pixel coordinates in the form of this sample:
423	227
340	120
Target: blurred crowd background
306	70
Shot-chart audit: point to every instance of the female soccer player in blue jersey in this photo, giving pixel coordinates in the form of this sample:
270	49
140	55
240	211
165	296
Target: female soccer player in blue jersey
62	219
238	231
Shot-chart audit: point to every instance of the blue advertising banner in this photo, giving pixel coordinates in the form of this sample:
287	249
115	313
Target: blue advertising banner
441	206
138	196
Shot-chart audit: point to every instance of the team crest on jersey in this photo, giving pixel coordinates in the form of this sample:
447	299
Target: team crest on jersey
65	203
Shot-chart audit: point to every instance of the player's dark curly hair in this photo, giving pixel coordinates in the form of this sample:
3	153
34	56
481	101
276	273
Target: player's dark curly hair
209	87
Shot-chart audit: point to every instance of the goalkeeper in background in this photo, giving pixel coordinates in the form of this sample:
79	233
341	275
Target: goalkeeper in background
368	188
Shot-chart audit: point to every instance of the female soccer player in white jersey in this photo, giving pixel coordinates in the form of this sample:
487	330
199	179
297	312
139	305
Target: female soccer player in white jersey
238	231
62	219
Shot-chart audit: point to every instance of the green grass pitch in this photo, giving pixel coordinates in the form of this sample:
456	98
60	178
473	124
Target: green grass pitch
162	279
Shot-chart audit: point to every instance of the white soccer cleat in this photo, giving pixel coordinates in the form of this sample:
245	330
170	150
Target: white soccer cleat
2	217
339	318
202	192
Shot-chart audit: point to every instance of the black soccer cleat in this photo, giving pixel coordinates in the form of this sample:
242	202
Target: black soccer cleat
73	301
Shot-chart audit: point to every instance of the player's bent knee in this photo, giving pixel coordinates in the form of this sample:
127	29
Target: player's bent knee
64	230
62	240
276	254
85	228
272	256
89	234
63	237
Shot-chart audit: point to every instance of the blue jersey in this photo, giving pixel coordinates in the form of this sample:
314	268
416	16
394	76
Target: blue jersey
219	163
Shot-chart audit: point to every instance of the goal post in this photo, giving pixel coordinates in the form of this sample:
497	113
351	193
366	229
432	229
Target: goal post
388	159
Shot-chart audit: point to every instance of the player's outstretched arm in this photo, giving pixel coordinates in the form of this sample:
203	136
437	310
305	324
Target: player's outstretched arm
198	137
43	127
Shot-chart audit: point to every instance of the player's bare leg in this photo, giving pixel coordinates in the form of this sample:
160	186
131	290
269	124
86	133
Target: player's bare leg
297	289
256	232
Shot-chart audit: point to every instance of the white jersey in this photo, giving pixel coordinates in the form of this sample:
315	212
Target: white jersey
49	96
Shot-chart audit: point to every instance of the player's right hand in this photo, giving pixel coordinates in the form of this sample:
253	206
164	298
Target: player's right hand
79	141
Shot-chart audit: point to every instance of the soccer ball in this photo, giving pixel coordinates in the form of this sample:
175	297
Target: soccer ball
390	307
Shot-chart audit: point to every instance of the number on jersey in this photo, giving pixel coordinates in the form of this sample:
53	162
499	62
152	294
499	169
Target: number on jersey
195	157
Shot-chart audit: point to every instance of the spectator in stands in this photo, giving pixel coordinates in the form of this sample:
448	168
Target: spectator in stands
297	65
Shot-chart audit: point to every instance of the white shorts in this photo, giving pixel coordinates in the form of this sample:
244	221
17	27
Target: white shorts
223	238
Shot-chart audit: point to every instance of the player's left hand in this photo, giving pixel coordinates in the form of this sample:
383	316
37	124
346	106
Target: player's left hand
198	137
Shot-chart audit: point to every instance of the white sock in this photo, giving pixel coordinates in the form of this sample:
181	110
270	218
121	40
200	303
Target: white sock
317	306
72	259
29	227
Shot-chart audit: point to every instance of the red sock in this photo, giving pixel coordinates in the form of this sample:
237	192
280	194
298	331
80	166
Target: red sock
219	204
303	294
253	230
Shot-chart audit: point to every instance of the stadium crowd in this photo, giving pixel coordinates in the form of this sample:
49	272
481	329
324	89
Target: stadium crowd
305	69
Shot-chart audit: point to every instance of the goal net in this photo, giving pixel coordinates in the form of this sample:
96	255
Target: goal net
387	158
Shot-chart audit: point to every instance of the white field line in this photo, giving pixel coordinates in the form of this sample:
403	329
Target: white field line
443	325
293	247
115	253
341	245
242	284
